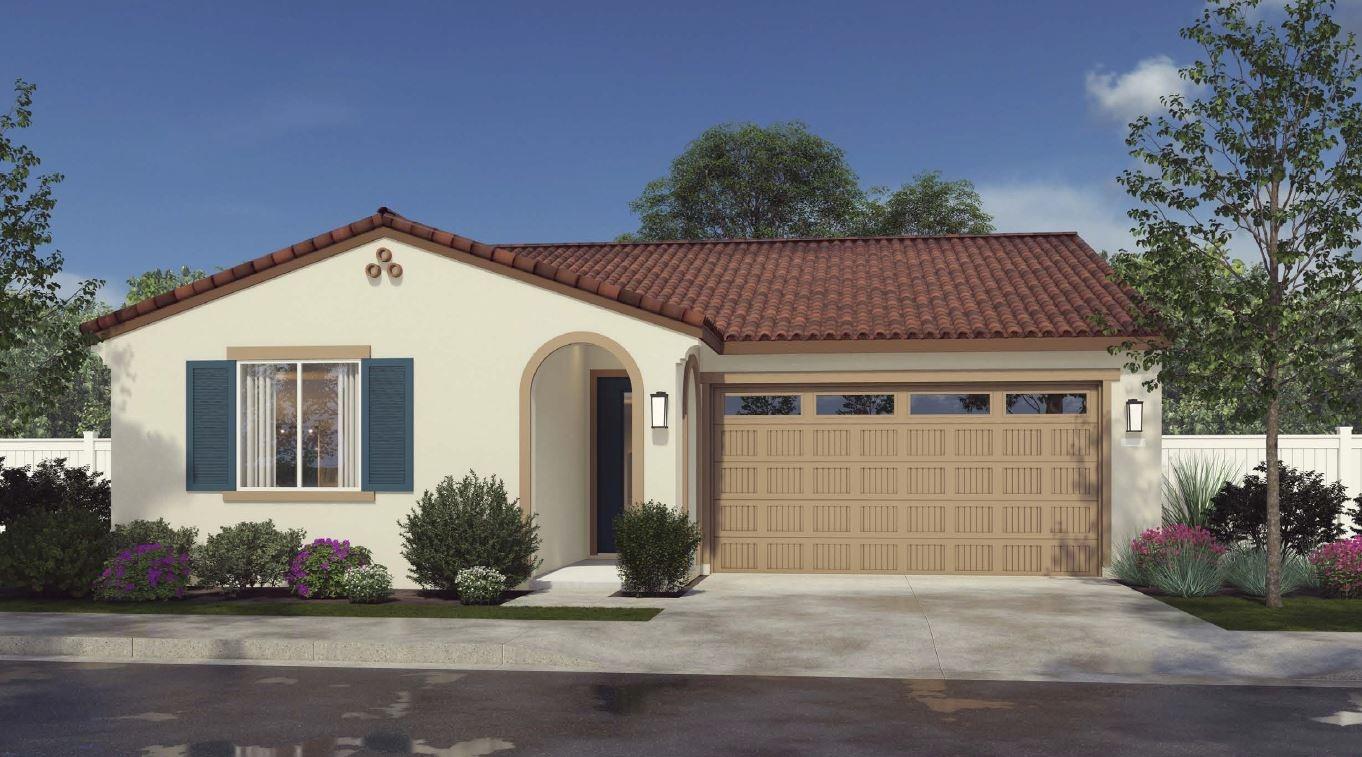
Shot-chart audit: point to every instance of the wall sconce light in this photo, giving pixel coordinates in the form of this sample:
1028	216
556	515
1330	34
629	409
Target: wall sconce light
1134	416
659	406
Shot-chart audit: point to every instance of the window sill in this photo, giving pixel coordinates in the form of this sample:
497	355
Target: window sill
298	496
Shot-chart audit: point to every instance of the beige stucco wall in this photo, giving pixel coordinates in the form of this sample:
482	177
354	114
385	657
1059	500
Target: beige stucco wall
1135	461
471	333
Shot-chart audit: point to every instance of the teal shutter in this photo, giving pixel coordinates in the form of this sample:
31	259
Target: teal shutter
387	418
210	420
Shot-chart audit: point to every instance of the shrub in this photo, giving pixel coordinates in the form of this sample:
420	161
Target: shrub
1158	544
1189	489
1127	568
247	555
318	570
1245	569
464	524
1338	567
144	573
480	585
57	552
1310	510
656	546
125	536
50	486
368	584
1187	573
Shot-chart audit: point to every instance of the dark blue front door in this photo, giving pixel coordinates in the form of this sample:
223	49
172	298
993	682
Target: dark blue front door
610	457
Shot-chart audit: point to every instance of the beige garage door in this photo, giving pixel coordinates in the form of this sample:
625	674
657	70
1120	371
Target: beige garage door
962	479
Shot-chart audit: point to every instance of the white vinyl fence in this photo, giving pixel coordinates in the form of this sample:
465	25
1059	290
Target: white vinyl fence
1337	456
88	450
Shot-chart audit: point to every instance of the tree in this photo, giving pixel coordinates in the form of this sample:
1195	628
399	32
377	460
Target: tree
1267	151
31	298
159	281
80	404
749	181
927	206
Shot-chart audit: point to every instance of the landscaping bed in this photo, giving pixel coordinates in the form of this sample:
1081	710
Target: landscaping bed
1299	613
280	603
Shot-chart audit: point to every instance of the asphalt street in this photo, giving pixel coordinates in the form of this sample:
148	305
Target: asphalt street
51	708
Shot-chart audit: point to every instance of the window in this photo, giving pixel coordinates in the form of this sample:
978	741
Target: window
949	404
299	425
1047	404
855	404
762	404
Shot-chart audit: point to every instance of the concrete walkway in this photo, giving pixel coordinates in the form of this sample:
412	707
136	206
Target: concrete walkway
1062	629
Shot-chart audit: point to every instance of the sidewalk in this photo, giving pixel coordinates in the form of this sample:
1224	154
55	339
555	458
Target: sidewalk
778	625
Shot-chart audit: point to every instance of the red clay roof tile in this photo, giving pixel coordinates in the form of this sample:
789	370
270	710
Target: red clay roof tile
957	287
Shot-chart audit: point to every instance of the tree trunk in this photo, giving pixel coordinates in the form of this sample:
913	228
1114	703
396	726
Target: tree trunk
1274	508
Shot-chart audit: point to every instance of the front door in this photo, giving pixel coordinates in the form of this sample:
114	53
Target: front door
613	411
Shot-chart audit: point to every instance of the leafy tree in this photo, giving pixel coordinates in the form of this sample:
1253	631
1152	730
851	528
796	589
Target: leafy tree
926	206
80	404
749	181
31	297
146	285
1267	148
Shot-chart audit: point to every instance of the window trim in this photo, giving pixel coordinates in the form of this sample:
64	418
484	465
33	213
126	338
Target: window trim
298	469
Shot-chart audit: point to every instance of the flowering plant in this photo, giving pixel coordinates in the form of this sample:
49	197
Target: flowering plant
1339	567
479	585
368	584
1158	545
144	572
318	570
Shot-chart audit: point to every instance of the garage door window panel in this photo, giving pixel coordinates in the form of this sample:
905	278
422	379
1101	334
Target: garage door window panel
950	404
854	404
763	405
1047	403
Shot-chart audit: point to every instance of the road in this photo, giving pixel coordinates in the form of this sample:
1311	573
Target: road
52	708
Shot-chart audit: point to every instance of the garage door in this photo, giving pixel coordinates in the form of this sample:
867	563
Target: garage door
964	479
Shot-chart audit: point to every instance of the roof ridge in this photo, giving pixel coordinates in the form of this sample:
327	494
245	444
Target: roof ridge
386	217
776	240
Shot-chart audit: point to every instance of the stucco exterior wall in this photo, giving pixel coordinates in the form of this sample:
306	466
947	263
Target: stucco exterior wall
1135	458
470	332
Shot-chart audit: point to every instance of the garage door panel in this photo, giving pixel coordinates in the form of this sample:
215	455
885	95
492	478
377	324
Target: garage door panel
985	493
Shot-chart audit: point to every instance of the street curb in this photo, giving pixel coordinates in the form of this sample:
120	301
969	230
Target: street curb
146	649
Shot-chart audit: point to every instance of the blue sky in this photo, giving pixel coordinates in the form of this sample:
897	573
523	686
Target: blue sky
207	134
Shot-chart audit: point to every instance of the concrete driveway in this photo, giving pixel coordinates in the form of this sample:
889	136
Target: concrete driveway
1062	629
1074	629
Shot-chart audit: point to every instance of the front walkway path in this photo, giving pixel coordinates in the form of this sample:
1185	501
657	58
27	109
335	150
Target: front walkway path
810	625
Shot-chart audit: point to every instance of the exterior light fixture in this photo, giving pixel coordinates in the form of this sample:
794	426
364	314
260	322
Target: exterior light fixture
1134	416
659	406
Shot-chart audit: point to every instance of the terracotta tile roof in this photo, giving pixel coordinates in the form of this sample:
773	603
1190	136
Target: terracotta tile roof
958	287
952	287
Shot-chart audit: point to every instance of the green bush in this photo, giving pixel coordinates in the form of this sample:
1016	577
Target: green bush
318	570
464	524
1245	569
128	535
144	573
1187	573
247	555
656	546
53	552
1190	487
368	584
480	585
1128	568
1310	510
50	486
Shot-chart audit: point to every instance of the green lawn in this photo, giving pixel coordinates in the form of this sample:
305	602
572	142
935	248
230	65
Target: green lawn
1298	614
302	608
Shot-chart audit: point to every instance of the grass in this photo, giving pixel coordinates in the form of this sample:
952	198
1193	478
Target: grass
1298	614
303	608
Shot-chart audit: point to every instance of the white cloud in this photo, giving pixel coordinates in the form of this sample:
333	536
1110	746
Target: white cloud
111	293
1136	92
1097	213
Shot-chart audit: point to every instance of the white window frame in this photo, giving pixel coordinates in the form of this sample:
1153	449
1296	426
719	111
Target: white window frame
298	421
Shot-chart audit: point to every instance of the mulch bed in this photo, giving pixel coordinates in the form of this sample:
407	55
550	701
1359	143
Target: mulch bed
663	594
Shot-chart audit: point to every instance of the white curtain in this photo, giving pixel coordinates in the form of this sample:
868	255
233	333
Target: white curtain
347	426
258	432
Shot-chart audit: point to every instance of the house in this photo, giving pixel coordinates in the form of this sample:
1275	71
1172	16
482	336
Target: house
904	404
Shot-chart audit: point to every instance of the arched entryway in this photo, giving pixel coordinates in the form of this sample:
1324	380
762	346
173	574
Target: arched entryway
581	443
